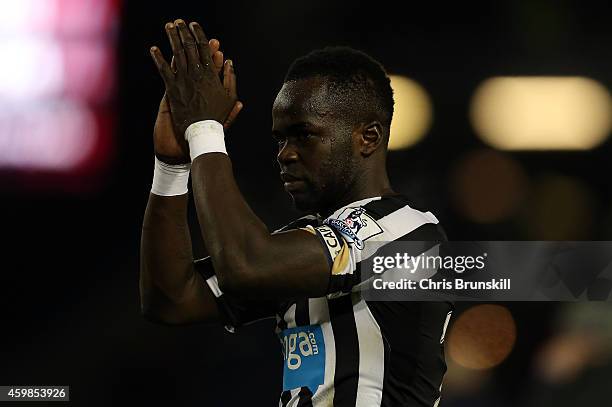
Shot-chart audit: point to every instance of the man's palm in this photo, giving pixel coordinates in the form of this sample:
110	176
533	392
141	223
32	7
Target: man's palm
167	147
172	149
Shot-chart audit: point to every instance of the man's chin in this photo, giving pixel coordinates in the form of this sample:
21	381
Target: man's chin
303	202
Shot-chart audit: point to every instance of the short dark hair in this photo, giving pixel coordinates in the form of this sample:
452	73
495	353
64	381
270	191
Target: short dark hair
355	75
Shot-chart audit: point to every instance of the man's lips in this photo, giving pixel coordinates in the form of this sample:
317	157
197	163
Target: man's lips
286	177
291	182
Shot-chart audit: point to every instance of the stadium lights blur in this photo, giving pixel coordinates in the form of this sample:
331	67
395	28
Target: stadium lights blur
56	137
412	113
542	113
482	337
488	186
56	84
22	79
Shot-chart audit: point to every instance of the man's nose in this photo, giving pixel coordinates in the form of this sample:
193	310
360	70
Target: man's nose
288	153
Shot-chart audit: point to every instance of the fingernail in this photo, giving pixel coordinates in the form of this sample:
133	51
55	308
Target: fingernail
231	63
169	26
179	21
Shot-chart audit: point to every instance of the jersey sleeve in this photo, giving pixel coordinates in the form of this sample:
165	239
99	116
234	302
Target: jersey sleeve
348	242
234	312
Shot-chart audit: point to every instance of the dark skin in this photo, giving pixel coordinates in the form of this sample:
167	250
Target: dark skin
170	289
326	161
168	147
244	253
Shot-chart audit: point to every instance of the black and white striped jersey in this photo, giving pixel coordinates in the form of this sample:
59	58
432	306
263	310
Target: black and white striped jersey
342	350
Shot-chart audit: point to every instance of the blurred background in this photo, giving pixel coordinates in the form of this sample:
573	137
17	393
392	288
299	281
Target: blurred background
503	114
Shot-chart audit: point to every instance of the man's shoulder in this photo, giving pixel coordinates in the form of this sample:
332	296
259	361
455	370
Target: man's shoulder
397	205
389	217
373	216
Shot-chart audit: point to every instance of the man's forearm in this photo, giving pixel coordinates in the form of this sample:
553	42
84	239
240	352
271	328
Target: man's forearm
233	234
166	254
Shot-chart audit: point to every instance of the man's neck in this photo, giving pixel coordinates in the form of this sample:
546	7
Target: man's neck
368	188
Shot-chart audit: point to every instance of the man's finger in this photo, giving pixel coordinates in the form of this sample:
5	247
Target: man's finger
202	41
162	65
229	78
189	44
214	45
173	64
233	114
215	54
218	61
177	47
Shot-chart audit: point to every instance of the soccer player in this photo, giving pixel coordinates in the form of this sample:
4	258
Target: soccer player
331	119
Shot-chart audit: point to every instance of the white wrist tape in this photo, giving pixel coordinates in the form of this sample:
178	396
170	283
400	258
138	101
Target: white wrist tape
205	136
170	180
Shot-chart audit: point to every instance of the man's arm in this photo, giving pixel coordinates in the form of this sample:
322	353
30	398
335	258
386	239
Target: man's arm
171	291
248	260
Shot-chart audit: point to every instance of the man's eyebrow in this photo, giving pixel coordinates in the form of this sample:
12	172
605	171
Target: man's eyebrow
294	127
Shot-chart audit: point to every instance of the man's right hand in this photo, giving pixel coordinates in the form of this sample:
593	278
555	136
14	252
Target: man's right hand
167	146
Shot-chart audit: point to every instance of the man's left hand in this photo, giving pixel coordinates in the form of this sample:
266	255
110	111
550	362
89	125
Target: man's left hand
194	91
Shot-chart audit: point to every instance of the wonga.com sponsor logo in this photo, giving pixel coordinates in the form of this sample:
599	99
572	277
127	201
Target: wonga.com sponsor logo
304	355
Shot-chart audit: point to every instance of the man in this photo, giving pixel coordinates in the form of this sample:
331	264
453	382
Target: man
331	119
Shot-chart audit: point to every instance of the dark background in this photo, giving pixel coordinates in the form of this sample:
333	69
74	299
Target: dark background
69	287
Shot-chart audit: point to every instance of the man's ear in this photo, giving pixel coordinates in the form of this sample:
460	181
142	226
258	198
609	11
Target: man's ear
371	138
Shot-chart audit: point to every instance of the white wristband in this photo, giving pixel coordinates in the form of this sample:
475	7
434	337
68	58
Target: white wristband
170	180
205	136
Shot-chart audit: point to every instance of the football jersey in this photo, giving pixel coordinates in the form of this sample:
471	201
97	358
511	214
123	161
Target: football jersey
341	349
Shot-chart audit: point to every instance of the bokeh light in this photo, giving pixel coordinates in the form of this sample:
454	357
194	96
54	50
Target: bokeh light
59	137
558	208
56	84
482	337
542	113
412	113
487	186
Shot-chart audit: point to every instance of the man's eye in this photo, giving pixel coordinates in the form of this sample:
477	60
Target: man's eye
304	136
